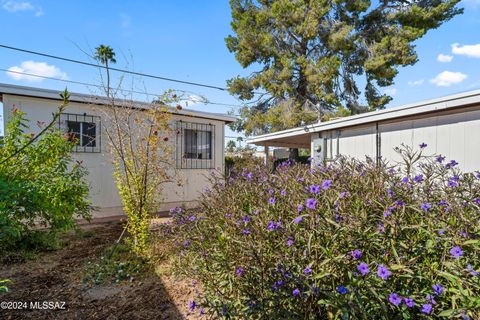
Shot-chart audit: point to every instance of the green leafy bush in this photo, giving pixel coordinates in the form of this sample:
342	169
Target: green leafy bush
351	240
40	185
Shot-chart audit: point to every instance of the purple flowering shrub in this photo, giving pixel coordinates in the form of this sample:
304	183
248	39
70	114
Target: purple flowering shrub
347	240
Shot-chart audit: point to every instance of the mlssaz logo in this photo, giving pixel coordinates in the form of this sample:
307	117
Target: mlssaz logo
47	305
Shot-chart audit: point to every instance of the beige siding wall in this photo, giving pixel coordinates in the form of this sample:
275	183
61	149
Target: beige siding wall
454	135
358	142
104	193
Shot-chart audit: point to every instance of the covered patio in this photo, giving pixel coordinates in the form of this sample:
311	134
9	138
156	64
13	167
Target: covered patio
292	138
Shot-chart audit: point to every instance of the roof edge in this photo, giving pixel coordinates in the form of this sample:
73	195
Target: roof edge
101	100
442	103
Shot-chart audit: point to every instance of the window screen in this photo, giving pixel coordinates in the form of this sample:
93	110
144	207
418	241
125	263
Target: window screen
195	145
83	129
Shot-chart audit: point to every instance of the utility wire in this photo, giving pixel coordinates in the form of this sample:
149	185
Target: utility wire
116	69
123	90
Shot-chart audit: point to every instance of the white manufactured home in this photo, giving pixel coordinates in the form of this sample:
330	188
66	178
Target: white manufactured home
199	143
450	126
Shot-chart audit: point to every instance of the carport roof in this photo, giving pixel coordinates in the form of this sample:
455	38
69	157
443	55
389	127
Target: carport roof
300	137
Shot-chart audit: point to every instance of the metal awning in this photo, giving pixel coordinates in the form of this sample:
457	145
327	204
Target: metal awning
292	138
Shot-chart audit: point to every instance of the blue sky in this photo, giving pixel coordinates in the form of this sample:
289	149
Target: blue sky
185	40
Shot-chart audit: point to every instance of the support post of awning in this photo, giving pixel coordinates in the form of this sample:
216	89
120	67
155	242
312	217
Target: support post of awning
267	151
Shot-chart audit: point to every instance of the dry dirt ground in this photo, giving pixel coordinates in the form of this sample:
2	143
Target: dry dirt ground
57	276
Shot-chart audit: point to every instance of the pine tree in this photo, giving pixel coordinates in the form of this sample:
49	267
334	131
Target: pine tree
323	54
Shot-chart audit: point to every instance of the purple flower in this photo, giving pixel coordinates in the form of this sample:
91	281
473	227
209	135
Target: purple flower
473	272
342	290
271	226
295	292
246	219
186	243
431	299
409	302
298	219
451	164
440	158
326	184
426	308
344	194
239	271
442	203
356	254
441	232
399	203
307	270
290	242
192	218
271	200
300	207
315	189
395	299
418	178
390	193
381	228
311	203
246	232
425	206
383	272
283	192
423	145
477	201
456	252
452	183
386	213
438	289
192	305
405	179
363	268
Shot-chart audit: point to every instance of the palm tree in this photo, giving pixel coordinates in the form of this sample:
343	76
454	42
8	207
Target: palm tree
105	54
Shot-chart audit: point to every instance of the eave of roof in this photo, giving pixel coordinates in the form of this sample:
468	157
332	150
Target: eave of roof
99	100
423	107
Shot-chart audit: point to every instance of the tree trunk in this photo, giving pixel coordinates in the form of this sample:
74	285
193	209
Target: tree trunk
293	154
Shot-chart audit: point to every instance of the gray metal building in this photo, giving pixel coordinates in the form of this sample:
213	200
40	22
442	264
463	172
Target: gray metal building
450	126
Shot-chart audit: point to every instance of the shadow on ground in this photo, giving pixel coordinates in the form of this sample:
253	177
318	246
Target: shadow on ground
57	277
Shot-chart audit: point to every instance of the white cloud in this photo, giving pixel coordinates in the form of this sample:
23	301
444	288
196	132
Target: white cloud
191	100
18	6
444	58
14	6
35	68
390	91
416	82
447	78
472	51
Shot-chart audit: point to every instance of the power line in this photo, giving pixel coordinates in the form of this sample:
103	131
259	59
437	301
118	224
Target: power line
117	69
123	90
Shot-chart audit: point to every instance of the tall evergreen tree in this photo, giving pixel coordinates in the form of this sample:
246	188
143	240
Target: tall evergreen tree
323	54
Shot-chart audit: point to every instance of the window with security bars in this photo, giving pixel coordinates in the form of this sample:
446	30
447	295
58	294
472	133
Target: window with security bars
83	129
195	145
